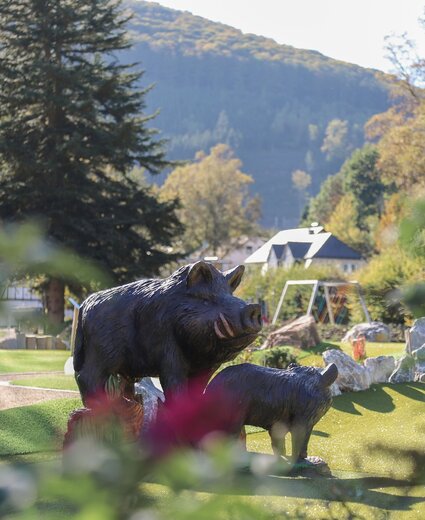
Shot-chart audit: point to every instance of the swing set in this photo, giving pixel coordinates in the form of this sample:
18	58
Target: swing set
332	305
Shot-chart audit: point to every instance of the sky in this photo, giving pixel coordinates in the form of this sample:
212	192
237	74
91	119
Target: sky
348	30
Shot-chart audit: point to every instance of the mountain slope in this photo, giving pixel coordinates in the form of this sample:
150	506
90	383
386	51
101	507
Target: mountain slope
272	103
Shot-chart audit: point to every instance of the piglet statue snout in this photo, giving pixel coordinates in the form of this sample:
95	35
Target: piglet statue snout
251	318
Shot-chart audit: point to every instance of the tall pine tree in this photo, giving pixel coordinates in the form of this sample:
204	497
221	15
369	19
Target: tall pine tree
71	129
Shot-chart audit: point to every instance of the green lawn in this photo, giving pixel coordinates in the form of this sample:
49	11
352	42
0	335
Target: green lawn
60	382
32	360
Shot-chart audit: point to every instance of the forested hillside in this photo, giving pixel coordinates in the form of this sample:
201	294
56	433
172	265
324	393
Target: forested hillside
278	107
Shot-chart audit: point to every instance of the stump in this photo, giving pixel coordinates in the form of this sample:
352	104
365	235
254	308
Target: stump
111	415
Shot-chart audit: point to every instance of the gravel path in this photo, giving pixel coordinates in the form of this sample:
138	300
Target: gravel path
12	396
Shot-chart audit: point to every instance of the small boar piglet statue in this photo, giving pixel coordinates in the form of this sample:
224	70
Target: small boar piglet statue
280	401
176	328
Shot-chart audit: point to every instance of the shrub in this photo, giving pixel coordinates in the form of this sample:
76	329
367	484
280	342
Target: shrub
278	357
382	278
244	357
268	287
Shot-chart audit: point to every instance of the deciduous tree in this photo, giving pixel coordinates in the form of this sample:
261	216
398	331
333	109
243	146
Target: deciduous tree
216	207
336	143
400	130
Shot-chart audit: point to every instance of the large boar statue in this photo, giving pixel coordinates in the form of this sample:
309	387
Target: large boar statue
177	328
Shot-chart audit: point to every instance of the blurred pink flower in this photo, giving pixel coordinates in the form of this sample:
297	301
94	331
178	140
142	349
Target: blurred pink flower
189	416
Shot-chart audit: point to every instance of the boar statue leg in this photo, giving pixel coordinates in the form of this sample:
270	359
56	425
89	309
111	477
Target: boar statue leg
173	374
91	372
277	435
90	382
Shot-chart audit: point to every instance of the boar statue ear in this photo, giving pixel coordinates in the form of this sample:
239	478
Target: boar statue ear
199	272
234	276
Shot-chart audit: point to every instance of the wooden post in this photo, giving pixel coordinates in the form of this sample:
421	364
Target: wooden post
74	323
312	298
328	305
363	304
279	305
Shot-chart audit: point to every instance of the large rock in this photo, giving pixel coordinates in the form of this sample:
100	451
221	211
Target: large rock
301	332
352	377
419	357
151	397
417	334
335	390
404	371
375	332
380	368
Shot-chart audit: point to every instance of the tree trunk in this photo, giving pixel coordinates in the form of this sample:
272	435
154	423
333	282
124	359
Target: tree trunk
54	295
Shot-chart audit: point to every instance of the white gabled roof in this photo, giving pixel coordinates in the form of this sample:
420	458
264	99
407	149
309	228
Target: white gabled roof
312	235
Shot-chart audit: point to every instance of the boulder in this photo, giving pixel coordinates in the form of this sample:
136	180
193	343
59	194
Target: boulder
419	357
420	378
380	368
352	377
301	332
374	332
417	334
151	398
404	371
335	390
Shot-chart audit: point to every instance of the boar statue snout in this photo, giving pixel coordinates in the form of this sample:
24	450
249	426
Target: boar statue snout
251	318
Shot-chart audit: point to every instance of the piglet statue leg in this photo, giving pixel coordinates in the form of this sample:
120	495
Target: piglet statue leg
277	435
303	464
300	436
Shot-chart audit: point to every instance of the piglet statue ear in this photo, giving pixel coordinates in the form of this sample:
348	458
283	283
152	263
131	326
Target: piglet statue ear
234	276
199	272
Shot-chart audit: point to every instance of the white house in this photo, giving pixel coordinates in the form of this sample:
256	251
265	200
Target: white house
228	258
307	246
18	301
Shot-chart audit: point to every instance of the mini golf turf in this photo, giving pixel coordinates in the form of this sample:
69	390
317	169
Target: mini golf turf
34	429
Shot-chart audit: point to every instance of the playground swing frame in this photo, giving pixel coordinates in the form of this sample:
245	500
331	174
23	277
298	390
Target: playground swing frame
316	284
